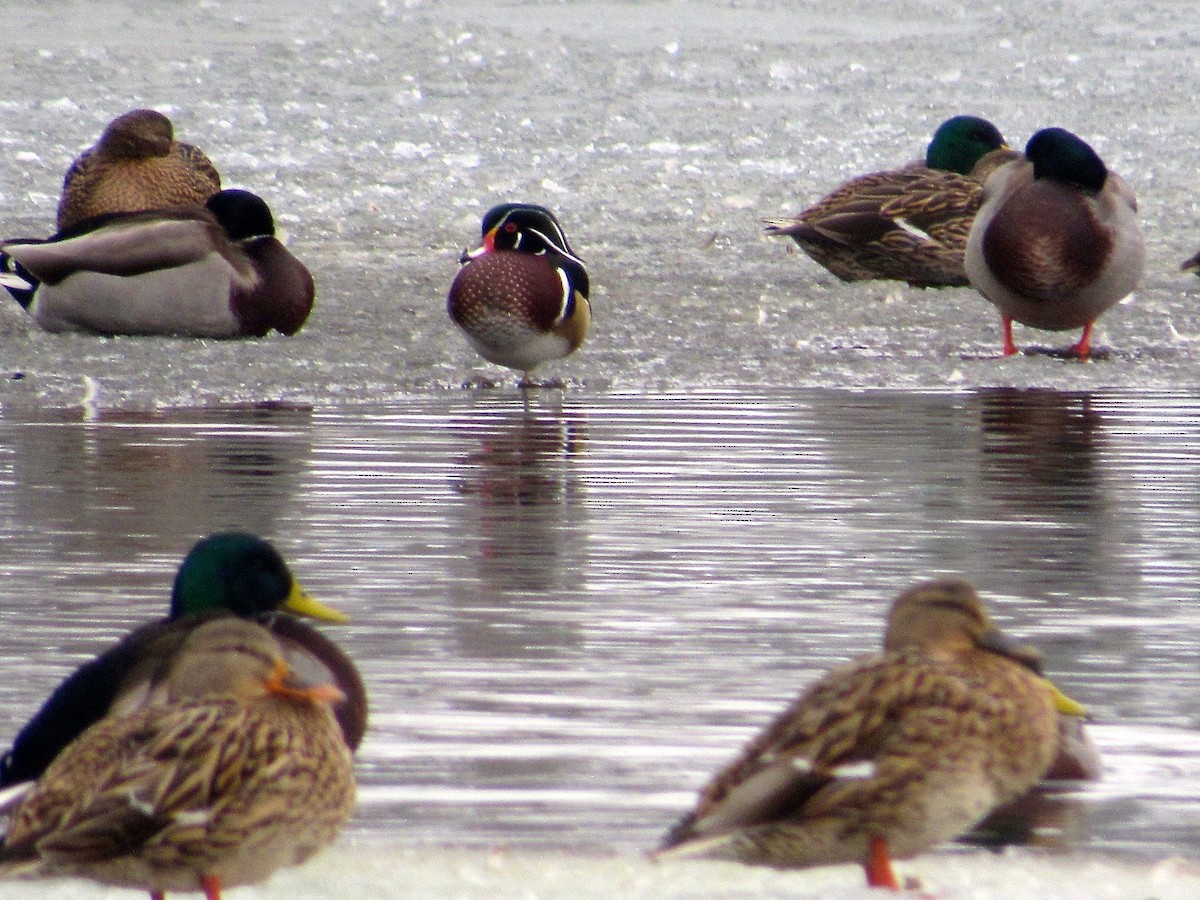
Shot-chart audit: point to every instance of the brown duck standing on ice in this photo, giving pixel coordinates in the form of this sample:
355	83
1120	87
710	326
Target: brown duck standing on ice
1057	240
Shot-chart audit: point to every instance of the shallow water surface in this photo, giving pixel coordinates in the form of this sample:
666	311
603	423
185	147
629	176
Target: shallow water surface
570	610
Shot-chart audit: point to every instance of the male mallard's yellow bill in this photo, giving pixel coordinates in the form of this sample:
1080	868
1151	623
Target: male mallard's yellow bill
1064	704
302	604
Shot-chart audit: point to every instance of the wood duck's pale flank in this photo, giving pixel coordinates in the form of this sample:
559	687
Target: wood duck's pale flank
137	165
908	224
1057	241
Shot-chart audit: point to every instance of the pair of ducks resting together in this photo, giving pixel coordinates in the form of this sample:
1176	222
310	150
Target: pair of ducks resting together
1050	237
148	243
191	756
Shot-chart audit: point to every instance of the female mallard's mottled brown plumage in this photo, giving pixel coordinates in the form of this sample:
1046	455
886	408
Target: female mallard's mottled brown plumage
136	165
890	754
230	770
908	224
1057	239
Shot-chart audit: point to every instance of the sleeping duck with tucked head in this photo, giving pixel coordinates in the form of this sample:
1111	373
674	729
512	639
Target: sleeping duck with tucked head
215	271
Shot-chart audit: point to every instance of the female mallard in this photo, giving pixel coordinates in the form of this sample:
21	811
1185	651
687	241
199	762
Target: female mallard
215	271
230	770
136	165
1057	240
907	224
521	298
890	754
228	573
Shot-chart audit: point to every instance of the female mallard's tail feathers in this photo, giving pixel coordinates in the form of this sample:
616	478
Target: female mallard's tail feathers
848	228
708	847
17	280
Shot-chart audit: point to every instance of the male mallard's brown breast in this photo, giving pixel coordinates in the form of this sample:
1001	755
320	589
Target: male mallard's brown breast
1045	245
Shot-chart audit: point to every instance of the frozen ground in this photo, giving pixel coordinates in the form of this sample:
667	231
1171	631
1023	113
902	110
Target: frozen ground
660	131
372	873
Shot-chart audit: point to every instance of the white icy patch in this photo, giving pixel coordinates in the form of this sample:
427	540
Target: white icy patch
418	873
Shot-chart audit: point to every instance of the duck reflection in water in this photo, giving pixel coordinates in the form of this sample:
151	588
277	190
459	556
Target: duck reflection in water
1038	462
1039	448
523	526
126	482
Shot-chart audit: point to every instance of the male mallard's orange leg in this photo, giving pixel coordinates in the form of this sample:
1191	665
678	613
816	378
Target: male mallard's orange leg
1084	348
879	865
1009	347
211	885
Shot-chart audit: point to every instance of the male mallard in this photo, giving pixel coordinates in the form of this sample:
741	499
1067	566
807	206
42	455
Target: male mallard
136	165
228	573
217	271
907	224
521	298
1057	240
232	769
888	755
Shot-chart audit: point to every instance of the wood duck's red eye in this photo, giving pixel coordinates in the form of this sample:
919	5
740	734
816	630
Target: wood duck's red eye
510	227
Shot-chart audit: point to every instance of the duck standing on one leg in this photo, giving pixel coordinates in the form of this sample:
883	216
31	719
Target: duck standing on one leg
521	297
888	755
1057	240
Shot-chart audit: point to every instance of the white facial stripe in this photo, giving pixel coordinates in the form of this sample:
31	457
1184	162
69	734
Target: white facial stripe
559	245
566	294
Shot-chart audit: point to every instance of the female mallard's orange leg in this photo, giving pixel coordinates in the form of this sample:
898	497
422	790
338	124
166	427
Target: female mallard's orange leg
211	885
879	865
157	895
1084	348
1009	347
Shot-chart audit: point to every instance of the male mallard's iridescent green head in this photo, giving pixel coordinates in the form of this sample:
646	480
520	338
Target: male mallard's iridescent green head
244	574
960	142
1061	156
242	214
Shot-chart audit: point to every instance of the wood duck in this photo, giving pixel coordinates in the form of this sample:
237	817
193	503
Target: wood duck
521	297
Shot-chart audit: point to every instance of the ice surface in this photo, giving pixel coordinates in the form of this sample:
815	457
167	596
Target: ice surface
660	131
377	873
